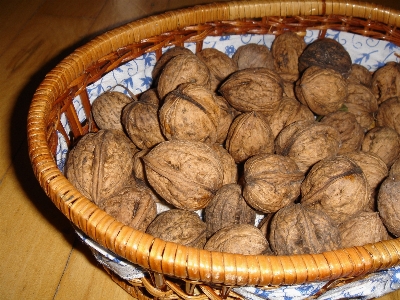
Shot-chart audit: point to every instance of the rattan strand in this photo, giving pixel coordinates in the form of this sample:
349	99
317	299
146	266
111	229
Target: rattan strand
90	62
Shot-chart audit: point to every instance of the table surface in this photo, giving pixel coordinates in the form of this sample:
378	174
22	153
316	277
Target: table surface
40	256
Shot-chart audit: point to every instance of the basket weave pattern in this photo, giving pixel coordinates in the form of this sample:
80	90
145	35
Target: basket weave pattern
195	267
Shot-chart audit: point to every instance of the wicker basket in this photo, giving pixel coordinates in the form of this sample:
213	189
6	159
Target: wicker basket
174	270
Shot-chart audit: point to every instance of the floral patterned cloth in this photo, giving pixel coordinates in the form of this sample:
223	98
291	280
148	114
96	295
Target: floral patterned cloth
136	76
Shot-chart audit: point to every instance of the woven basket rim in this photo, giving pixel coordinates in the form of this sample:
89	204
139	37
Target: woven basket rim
170	258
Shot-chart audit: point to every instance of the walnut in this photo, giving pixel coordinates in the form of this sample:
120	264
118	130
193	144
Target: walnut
336	186
389	205
226	208
253	56
375	171
363	228
238	238
322	90
326	53
307	142
289	111
132	205
186	174
360	75
150	96
386	82
394	171
271	182
219	64
179	226
107	109
256	89
100	164
228	164
249	135
227	115
140	120
185	68
138	164
350	131
296	229
286	50
384	142
191	113
389	114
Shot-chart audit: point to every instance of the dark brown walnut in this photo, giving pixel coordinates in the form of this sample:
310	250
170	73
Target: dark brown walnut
351	133
394	171
166	57
296	229
271	182
249	135
364	228
322	90
289	111
253	56
286	50
186	174
132	205
138	164
228	207
389	205
219	64
389	114
179	226
256	89
386	82
326	53
375	171
107	109
228	164
307	142
185	68
227	114
360	75
150	96
384	142
100	164
362	103
337	186
190	113
239	239
141	123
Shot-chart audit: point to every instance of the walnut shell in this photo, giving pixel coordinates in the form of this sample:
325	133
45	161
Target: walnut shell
185	68
307	142
186	174
296	229
386	82
141	123
226	208
179	226
132	205
138	164
238	238
289	111
389	114
384	142
100	164
337	186
360	75
326	53
227	115
256	89
249	135
351	133
150	96
253	56
271	182
228	164
219	64
322	90
286	50
389	205
364	228
394	171
107	109
190	113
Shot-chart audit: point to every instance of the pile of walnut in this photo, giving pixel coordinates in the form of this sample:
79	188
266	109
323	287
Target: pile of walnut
295	133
